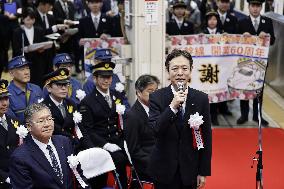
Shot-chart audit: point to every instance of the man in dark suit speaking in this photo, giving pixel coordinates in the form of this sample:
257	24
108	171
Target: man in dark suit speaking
181	157
41	162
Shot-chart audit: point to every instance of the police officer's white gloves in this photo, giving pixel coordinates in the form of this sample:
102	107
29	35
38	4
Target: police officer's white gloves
111	147
8	180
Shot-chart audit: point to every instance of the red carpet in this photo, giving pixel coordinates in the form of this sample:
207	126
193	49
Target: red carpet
233	150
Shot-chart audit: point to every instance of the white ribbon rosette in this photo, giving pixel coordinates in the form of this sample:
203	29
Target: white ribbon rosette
195	121
120	109
80	94
77	118
40	100
73	162
22	131
119	87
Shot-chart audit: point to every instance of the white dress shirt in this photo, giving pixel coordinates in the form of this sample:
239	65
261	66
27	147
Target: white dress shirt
179	22
54	28
43	148
98	16
55	101
253	19
30	34
212	31
146	108
222	15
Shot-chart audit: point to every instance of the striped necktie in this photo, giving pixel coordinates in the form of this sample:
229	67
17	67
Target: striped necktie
55	165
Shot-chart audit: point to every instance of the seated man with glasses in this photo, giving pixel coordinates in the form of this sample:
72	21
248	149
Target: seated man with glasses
41	161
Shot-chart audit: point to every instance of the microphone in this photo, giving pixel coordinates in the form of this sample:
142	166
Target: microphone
180	87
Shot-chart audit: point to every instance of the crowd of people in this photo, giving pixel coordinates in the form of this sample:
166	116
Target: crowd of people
164	147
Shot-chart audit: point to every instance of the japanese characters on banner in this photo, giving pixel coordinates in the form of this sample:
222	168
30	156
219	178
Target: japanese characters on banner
226	66
90	46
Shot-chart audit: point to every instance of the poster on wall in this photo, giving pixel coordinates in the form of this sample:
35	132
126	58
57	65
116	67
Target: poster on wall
227	66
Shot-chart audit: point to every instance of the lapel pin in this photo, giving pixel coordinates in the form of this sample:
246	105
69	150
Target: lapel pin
185	24
263	21
227	19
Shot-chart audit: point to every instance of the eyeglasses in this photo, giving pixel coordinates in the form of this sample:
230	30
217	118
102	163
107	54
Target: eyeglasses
44	121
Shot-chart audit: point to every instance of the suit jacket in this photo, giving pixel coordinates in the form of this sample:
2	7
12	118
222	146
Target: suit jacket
9	141
101	121
87	28
174	145
31	169
39	61
59	13
265	25
140	138
218	31
39	22
116	31
230	25
172	28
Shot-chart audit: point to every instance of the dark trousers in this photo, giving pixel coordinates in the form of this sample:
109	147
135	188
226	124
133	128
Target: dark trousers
245	107
175	184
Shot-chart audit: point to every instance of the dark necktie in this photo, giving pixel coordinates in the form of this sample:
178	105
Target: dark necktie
43	21
62	110
55	165
180	117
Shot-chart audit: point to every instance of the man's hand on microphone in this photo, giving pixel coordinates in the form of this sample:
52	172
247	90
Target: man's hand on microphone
178	99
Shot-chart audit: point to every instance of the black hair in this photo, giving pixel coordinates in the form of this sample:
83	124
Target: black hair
51	2
144	80
28	12
176	53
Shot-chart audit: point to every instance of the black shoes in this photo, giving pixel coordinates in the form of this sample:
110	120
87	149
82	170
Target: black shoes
242	120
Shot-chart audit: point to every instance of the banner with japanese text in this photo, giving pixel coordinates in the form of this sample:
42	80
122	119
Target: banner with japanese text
227	66
90	46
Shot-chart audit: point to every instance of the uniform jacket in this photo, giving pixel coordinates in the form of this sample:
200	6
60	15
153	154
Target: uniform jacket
18	102
101	121
174	145
230	25
87	28
265	25
9	141
172	28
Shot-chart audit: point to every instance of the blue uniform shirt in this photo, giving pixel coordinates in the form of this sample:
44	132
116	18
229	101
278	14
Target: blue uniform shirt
74	86
19	99
89	86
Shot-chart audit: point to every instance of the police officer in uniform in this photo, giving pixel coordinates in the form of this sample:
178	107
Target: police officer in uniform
101	120
9	140
104	55
64	60
178	25
22	92
255	24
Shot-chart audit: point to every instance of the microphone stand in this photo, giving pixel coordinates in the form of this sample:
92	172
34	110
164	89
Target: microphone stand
259	152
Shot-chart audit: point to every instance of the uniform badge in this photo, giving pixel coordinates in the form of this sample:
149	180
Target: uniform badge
15	123
3	86
23	59
185	24
263	21
113	97
118	101
227	19
103	20
106	66
62	72
70	109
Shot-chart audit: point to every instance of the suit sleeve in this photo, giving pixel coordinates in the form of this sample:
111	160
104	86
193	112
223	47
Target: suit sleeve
20	174
160	119
88	123
81	33
132	131
204	168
